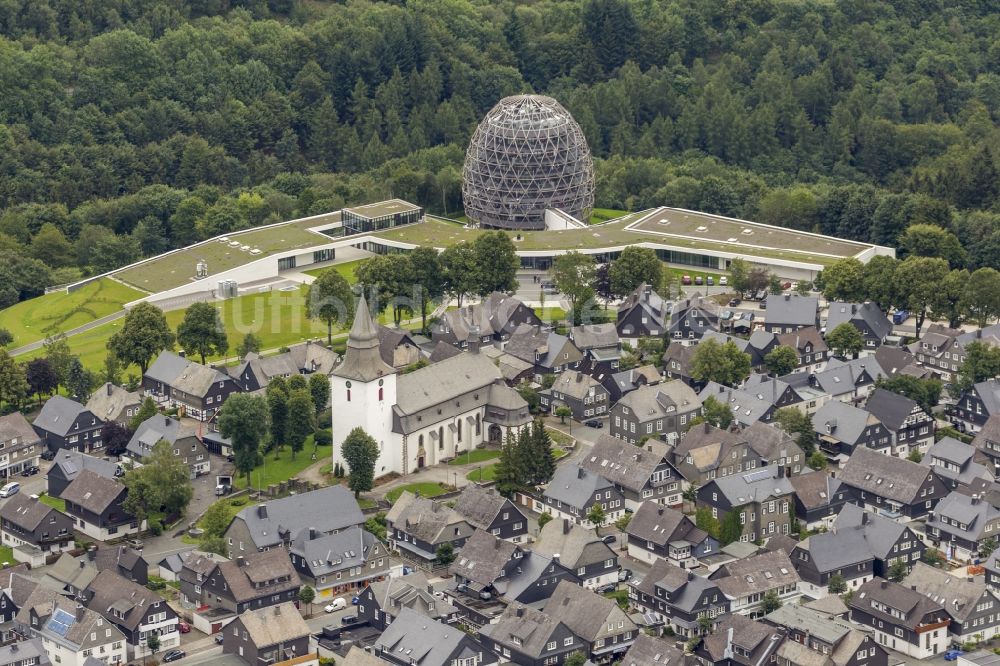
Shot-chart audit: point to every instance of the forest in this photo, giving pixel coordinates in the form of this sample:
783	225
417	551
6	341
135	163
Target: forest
128	127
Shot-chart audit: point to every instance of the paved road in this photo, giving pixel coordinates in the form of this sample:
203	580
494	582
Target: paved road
32	346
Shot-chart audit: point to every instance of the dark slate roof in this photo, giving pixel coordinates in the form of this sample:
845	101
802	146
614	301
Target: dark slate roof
92	491
483	558
573	485
895	478
576	546
757	573
686	588
415	638
843	422
890	408
974	513
586	613
815	489
249	580
841	313
959	595
757	486
662	525
650	651
532	629
72	463
274	625
911	603
110	592
792	309
326	554
625	464
747	634
326	509
167	367
479	505
58	414
25	512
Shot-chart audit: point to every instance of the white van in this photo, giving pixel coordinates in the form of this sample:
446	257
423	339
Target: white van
336	605
11	488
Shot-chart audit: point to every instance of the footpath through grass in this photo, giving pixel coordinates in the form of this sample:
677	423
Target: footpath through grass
425	488
34	319
274	471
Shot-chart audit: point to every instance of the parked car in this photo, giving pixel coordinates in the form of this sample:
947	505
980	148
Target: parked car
698	280
624	575
10	489
335	605
610	587
134	544
686	279
349	619
174	655
952	655
710	280
609	539
723	281
355	600
30	471
726	315
594	423
763	303
48	455
223	489
899	316
219	638
786	285
184	627
733	302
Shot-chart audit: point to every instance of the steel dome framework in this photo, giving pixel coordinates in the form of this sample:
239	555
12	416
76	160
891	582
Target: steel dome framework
527	155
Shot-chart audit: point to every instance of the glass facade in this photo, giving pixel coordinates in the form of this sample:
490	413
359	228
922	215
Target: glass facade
355	223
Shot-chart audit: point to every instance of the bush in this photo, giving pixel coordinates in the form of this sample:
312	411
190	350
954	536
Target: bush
238	501
155	527
323	437
155	583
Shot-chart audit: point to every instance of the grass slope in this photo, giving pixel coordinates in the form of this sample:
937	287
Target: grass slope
284	468
346	269
37	318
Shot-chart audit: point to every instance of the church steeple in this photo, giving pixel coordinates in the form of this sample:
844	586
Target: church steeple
362	359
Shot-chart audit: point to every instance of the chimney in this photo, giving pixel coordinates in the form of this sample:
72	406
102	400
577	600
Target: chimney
430	589
83	564
241	561
788	297
864	518
91	553
520	611
707	427
473	339
690	575
884	584
555	557
109	386
854	308
166	421
262	511
913	587
13	647
580	473
182	353
566	526
975	498
79	612
781	471
312	533
659	510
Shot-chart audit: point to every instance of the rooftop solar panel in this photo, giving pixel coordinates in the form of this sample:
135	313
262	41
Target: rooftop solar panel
61	621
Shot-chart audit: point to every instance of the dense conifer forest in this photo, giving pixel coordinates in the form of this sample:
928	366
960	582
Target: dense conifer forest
128	127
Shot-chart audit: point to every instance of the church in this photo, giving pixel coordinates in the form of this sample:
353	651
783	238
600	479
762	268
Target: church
424	417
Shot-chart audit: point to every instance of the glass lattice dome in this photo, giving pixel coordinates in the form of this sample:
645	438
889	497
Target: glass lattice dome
527	155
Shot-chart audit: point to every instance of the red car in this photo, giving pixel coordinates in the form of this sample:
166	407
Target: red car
686	279
184	627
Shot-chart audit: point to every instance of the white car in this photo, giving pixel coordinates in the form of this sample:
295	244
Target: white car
723	281
10	489
335	605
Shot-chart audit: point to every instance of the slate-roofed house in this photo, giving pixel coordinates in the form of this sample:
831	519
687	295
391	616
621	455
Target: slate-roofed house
787	313
677	361
762	498
69	576
580	550
747	581
976	405
413	638
585	396
640	473
894	487
691	318
573	491
112	403
740	641
815	638
492	320
657	532
677	597
486	509
942	349
249	582
706	452
334	564
417	526
547	351
71	634
503	570
818	499
66	424
902	619
651	651
642	314
181	382
959	465
34	530
841	552
604	627
256	371
397	347
662	410
992	566
843	429
67	465
988	441
890	541
599	343
867	317
779	392
911	426
137	612
21	444
849	381
126	562
182	438
960	524
277	522
24	653
756	346
747	407
810	348
971	606
269	637
381	601
528	637
95	503
626	381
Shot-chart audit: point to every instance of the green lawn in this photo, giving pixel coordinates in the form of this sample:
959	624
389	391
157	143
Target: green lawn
426	489
346	269
7	555
34	319
487	473
550	314
559	438
284	468
231	511
56	503
604	214
477	456
179	268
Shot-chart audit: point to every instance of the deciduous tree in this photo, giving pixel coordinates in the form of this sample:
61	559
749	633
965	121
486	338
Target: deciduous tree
845	340
496	263
330	300
360	452
781	360
245	421
301	420
724	363
634	266
144	333
201	332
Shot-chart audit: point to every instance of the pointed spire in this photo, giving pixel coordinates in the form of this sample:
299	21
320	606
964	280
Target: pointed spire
362	358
